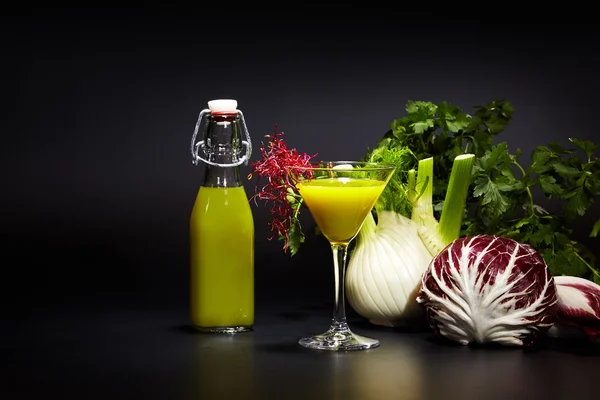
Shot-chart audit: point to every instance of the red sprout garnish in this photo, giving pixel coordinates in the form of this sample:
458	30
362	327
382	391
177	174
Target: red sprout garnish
276	159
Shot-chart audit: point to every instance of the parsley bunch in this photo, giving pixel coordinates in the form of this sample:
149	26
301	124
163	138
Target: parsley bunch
502	195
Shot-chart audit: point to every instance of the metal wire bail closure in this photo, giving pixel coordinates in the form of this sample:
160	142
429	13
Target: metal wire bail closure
195	146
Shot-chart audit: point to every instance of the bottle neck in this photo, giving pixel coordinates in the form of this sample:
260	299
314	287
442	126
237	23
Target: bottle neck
223	146
222	176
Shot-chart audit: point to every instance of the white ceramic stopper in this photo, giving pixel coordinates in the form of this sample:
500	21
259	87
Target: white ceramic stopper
222	105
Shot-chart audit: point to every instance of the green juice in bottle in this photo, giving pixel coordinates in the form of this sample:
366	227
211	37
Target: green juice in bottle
222	227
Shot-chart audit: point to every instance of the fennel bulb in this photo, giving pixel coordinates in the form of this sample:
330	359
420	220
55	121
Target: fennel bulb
384	269
390	256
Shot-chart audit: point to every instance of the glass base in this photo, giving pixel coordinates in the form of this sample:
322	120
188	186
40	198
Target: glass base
337	340
223	329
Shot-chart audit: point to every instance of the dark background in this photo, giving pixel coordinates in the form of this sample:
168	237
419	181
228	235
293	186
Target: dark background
100	105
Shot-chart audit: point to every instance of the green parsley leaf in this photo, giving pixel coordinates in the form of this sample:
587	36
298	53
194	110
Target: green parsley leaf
295	237
550	186
585	145
491	195
595	229
566	171
576	203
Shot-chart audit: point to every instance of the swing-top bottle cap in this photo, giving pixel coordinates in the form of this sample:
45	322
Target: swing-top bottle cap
223	106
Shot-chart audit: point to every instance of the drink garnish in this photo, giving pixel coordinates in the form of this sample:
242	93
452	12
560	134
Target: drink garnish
278	191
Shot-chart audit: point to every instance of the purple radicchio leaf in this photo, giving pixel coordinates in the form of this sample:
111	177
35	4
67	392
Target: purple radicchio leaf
578	304
488	289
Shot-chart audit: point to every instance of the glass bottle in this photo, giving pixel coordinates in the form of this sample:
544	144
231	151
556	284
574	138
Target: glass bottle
222	225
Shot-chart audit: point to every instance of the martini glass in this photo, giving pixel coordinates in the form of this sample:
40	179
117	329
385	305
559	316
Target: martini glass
339	195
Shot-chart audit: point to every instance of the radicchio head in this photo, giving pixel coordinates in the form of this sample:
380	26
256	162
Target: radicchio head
578	305
488	289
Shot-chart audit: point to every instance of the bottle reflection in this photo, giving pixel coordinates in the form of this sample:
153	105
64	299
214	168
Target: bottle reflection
224	365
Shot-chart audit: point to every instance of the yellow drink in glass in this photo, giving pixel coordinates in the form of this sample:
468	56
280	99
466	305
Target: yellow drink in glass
222	259
340	205
340	195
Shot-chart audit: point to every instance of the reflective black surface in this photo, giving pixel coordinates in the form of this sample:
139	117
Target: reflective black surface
83	350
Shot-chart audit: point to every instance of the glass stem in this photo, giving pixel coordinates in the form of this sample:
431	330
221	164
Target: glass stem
340	252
